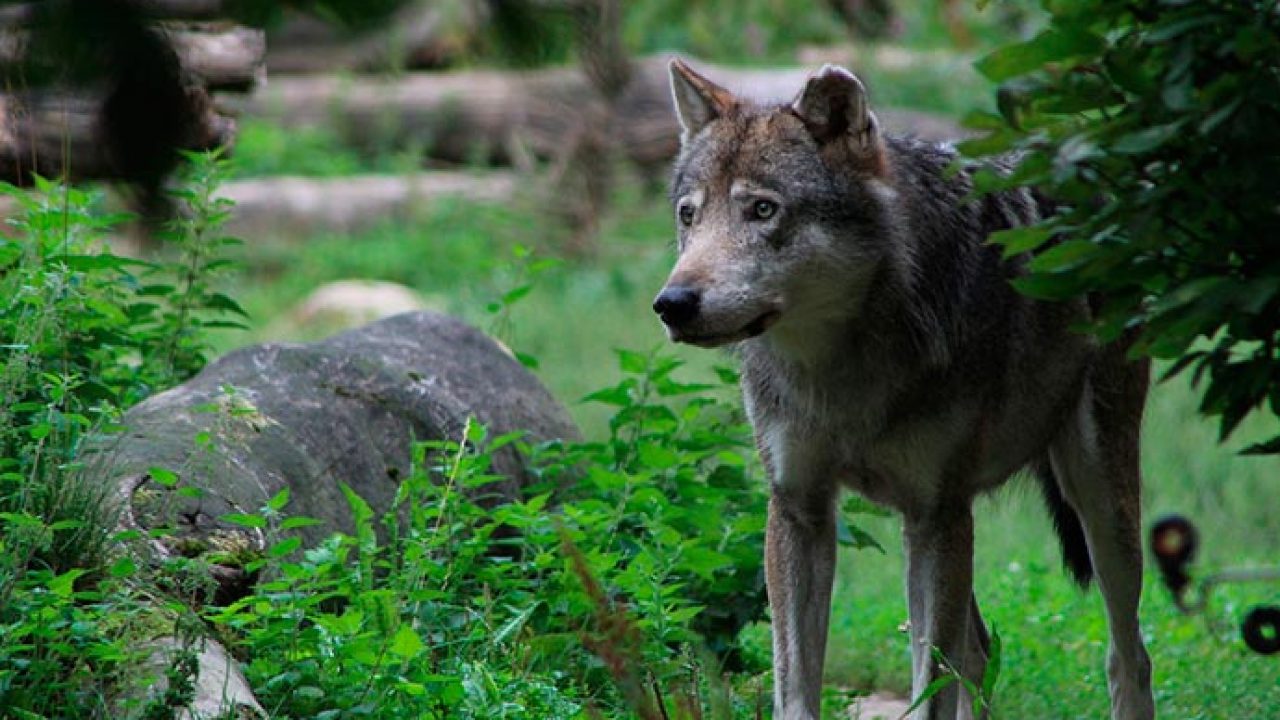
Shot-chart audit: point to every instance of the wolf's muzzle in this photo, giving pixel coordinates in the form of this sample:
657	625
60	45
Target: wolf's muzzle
677	305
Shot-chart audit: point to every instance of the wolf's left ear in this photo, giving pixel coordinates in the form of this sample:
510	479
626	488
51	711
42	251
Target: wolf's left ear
833	106
698	101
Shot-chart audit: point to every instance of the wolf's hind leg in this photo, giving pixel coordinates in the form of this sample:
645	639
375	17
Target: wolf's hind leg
1096	460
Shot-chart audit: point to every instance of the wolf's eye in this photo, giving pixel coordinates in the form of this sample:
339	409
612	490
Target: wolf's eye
763	209
686	215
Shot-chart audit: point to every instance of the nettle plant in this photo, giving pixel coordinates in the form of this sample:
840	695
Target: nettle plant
84	333
596	592
1153	124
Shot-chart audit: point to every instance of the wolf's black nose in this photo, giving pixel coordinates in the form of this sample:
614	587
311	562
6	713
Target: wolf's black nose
677	305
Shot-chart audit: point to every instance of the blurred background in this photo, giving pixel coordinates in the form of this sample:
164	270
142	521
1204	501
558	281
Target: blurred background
506	161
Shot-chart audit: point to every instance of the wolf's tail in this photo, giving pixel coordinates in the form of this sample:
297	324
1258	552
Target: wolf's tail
1075	551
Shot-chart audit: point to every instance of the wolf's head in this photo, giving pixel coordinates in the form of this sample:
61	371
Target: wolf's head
782	213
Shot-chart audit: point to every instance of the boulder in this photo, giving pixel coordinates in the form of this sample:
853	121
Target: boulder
310	417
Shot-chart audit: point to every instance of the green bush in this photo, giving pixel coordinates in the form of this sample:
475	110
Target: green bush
84	334
546	607
1153	123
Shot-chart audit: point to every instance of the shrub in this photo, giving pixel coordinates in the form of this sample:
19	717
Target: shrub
1152	122
538	608
84	333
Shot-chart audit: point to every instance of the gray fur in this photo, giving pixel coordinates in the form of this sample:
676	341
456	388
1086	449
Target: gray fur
884	350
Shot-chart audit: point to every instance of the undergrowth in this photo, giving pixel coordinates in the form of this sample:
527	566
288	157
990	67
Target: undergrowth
618	584
84	334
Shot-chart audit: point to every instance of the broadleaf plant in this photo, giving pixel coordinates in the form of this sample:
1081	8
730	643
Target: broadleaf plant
1152	125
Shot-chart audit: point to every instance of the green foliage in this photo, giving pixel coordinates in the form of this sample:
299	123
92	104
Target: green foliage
679	477
450	606
1153	124
84	333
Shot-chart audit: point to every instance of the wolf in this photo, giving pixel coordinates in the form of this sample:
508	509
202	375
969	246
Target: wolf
884	350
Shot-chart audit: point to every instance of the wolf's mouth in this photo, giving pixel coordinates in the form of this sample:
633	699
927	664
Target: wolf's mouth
746	332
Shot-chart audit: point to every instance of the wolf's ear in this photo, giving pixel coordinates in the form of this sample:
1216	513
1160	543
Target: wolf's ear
833	105
698	101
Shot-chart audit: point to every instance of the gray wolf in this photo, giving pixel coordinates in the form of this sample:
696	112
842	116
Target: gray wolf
883	350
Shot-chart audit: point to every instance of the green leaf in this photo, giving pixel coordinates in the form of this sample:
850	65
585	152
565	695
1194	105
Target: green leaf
1018	240
930	690
280	499
218	301
1168	31
244	520
633	362
1053	44
405	644
991	675
512	626
1270	447
852	536
123	567
515	294
1147	139
702	561
360	510
619	395
294	523
1046	286
64	585
284	547
163	476
1064	256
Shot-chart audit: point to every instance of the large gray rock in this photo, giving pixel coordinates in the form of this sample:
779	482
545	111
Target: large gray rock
309	417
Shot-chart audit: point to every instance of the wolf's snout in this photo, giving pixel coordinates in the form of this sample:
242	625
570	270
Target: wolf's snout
677	305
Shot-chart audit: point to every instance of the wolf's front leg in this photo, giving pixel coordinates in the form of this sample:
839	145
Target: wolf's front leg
800	555
939	548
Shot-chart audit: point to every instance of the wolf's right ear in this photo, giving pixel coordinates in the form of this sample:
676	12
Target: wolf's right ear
698	101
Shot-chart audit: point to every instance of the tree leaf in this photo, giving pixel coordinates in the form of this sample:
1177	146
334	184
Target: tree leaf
1055	43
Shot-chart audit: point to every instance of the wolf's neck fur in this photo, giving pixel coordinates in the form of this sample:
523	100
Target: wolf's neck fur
936	291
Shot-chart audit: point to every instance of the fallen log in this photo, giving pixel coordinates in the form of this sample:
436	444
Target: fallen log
298	206
422	34
25	13
220	56
216	56
499	117
64	135
86	98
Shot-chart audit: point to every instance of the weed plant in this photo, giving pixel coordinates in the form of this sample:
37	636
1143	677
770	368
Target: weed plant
85	333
